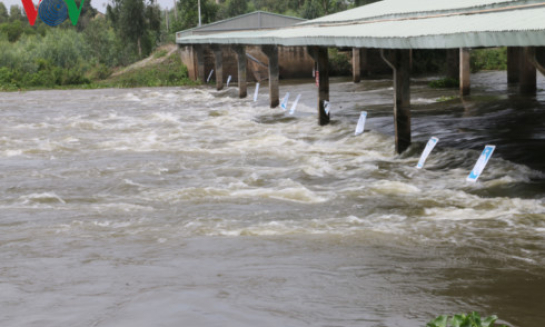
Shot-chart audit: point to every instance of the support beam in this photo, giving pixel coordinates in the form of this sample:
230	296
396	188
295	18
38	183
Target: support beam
513	64
539	61
453	64
356	65
218	54
364	62
401	65
271	51
199	52
240	50
320	55
402	110
527	84
465	72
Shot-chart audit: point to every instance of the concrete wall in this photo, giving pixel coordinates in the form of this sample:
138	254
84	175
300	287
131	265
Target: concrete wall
294	63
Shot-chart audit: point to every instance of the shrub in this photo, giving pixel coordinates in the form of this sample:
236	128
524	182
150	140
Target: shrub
444	83
339	63
488	59
463	320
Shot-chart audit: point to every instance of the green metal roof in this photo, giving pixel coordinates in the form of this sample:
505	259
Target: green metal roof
257	20
418	24
395	9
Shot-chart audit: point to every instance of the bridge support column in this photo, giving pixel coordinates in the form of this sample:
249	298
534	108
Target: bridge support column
513	64
199	52
402	109
401	65
218	54
356	65
465	72
453	64
240	50
320	56
271	51
527	84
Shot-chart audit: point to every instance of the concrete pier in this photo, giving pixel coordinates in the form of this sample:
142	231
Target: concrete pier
465	72
400	62
527	76
240	50
453	64
199	52
320	55
513	64
271	51
402	109
356	65
218	55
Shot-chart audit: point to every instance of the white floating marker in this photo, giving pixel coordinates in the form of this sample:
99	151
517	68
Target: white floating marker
284	104
361	123
229	80
256	91
327	107
429	148
209	76
481	163
294	105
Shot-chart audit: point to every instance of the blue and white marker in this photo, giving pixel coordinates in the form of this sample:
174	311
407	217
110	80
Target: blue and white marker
361	123
284	104
294	105
209	76
327	107
429	148
229	80
481	163
256	91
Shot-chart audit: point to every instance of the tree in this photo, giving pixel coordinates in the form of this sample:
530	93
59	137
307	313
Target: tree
312	9
87	14
188	13
12	30
236	7
133	20
153	15
364	2
4	17
15	14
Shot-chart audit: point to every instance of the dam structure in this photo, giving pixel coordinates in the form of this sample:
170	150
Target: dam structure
396	27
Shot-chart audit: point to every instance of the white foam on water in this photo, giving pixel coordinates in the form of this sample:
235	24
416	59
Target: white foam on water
46	197
12	153
386	187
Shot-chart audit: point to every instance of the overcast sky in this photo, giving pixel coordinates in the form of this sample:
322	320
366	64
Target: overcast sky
100	5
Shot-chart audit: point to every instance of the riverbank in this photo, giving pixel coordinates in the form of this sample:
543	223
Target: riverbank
162	68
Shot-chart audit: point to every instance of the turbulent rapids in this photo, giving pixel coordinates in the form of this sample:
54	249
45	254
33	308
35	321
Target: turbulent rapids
189	206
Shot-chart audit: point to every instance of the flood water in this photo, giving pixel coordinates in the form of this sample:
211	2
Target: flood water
191	207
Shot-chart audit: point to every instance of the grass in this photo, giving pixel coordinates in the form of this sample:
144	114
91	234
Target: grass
444	83
170	72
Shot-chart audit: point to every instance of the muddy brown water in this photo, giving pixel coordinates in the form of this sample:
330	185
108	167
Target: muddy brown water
191	207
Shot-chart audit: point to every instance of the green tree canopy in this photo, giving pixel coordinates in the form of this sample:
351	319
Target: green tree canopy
15	14
188	13
364	2
4	16
134	21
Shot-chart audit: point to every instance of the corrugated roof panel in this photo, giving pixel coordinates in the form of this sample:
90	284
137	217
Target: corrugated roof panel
391	9
252	21
510	28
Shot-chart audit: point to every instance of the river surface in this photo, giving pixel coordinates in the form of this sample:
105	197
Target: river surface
191	207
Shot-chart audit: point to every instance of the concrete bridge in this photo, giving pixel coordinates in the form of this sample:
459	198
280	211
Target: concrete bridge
398	27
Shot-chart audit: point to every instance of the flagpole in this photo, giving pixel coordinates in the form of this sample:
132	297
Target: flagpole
199	12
